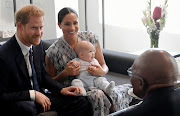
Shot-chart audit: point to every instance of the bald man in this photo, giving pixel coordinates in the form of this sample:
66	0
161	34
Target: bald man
154	76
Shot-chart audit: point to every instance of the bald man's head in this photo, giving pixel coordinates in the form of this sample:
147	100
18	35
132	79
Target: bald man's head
155	67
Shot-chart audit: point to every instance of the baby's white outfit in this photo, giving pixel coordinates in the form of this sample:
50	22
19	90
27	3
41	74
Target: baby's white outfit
86	80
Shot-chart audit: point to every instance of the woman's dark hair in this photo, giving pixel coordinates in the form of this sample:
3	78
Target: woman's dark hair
63	12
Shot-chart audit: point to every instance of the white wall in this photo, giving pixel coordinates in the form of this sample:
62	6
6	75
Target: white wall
82	23
49	22
94	17
20	3
7	27
50	7
6	13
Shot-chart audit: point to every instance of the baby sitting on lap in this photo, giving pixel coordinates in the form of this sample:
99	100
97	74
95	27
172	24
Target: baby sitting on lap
86	53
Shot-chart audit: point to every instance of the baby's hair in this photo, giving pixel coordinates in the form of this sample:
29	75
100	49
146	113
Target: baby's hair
82	45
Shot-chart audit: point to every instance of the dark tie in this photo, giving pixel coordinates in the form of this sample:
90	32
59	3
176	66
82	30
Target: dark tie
35	83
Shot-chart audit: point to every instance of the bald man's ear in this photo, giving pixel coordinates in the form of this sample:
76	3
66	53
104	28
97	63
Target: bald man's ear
141	84
140	88
143	88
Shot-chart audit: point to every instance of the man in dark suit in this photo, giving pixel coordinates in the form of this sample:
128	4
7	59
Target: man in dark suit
23	75
154	79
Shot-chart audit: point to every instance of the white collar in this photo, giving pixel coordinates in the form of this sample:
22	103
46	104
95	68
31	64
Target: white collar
25	49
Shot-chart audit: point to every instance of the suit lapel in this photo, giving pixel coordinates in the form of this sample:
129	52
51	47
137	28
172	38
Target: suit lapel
19	57
22	65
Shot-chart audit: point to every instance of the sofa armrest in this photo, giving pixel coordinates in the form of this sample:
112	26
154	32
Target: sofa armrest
118	62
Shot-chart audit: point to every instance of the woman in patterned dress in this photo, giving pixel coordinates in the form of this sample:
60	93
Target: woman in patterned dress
60	54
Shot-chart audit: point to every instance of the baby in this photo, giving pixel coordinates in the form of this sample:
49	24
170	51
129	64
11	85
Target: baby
86	53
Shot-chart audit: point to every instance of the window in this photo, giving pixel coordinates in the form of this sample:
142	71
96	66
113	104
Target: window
123	28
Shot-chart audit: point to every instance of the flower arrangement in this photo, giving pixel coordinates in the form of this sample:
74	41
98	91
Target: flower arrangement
155	22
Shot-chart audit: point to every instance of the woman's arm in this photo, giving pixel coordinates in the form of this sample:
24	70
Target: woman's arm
70	70
52	70
99	71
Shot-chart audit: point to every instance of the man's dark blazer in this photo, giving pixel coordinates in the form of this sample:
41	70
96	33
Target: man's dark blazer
160	102
14	78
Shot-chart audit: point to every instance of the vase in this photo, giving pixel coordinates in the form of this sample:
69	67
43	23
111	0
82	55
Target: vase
154	37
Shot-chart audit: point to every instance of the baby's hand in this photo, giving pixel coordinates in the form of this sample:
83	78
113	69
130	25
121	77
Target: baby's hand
76	64
90	67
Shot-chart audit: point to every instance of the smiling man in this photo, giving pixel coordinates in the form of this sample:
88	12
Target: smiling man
23	75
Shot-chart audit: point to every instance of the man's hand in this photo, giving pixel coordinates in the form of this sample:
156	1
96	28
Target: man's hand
72	90
43	100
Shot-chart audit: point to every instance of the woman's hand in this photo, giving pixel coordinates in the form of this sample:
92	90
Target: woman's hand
72	68
96	70
76	63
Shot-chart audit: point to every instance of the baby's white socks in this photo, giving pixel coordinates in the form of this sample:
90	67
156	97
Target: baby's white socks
109	89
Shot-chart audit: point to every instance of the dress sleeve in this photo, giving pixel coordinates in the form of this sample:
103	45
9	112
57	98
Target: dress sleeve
54	55
50	53
95	62
89	36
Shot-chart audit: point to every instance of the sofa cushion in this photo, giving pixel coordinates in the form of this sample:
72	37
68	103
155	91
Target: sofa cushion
118	62
118	78
47	43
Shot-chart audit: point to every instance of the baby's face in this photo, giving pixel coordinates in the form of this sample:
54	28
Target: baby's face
88	54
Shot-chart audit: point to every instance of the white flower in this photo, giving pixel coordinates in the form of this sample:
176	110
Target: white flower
150	23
